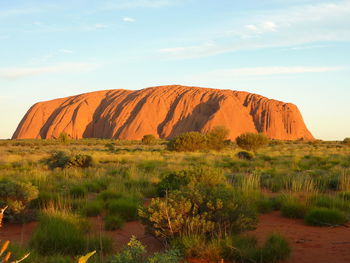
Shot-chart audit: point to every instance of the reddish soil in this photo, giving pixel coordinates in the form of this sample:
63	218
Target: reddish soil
309	244
121	237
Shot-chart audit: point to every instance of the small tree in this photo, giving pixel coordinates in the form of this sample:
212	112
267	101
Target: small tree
252	141
64	138
188	142
217	137
346	141
149	139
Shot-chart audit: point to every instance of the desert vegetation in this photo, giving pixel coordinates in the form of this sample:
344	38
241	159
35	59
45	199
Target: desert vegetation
198	196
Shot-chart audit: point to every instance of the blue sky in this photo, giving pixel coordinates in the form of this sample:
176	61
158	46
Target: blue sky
293	50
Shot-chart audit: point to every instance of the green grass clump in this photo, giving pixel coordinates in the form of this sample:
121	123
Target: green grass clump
113	222
93	208
125	208
276	249
264	205
245	249
321	216
77	191
109	195
103	244
59	234
293	209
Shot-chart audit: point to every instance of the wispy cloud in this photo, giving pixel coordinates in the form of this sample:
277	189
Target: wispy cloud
18	12
128	4
295	26
66	51
14	73
128	19
228	75
265	71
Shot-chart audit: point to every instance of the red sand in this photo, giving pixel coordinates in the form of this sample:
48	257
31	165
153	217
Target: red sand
309	244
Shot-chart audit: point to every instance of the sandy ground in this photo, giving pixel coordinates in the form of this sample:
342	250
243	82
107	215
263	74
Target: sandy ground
309	244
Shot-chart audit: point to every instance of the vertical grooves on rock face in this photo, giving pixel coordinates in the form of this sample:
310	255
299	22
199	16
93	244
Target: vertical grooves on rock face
163	111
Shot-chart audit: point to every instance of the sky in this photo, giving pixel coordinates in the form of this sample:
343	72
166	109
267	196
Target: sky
296	51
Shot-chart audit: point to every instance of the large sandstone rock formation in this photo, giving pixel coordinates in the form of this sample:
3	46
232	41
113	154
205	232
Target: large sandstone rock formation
162	111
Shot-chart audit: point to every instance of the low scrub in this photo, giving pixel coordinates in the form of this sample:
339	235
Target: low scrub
252	141
293	209
92	208
57	234
245	249
17	196
245	155
63	160
125	208
113	222
198	209
195	141
135	252
320	216
149	139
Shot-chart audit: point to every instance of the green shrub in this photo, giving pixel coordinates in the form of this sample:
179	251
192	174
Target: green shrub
252	141
93	208
172	181
17	196
275	249
103	244
44	199
205	175
216	138
346	141
188	142
325	217
125	208
198	246
169	256
264	205
57	234
328	201
113	222
245	249
109	195
134	252
344	196
77	191
149	139
245	155
62	160
196	141
64	138
293	209
199	209
240	249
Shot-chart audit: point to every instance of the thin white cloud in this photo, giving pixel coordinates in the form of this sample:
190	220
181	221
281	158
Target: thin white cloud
69	67
17	12
128	19
228	75
265	71
67	51
261	28
129	4
301	25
